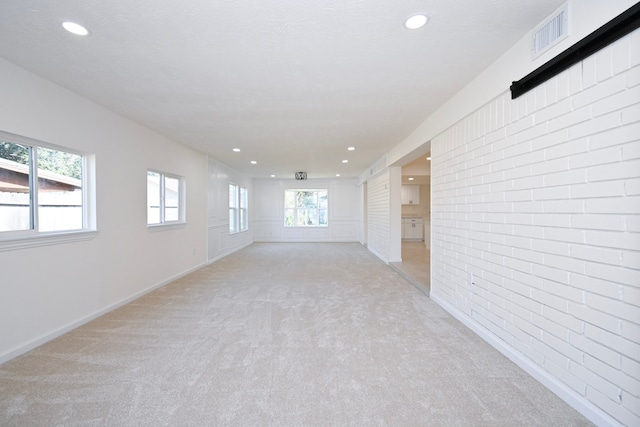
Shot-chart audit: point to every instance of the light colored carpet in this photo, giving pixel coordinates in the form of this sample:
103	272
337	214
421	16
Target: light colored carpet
277	335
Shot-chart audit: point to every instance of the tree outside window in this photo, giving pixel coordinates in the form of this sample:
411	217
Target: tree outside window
41	189
306	208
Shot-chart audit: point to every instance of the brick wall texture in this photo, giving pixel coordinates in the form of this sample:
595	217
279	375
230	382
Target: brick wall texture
378	201
536	225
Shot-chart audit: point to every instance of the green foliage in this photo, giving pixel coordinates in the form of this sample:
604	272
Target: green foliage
66	164
14	152
305	207
306	199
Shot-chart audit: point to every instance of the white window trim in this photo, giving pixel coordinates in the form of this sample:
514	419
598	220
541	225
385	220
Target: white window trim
296	209
242	208
166	226
46	239
182	217
236	209
22	239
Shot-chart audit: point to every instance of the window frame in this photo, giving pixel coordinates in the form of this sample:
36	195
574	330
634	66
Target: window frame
238	213
243	209
234	225
181	208
33	237
296	209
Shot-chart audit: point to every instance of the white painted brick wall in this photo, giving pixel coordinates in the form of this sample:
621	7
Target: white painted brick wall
539	198
378	215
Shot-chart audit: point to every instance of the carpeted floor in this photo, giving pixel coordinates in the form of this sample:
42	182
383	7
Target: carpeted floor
277	335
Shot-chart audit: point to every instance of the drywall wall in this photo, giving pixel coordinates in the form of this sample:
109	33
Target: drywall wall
49	289
220	241
345	210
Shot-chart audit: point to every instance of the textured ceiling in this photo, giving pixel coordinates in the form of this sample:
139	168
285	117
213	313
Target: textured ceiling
291	83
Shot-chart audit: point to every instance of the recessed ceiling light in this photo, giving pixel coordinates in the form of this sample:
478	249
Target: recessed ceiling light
416	21
76	29
273	176
253	162
429	158
351	148
337	174
411	179
345	161
237	150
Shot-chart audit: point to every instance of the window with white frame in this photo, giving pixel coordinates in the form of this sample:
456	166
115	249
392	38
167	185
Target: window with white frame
306	208
42	189
244	220
238	208
233	208
165	198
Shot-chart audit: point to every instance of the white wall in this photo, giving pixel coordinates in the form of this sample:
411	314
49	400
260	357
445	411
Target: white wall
585	17
220	241
47	290
345	211
378	214
566	309
384	214
539	199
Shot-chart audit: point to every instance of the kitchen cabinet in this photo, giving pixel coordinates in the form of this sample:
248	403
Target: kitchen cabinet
410	194
412	229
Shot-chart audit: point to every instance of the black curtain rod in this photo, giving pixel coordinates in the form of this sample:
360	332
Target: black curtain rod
613	30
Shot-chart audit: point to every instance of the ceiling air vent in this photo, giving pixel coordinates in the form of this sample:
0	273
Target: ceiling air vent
301	176
551	31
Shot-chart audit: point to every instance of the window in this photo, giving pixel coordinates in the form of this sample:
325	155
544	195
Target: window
306	208
164	198
42	189
244	223
238	208
233	208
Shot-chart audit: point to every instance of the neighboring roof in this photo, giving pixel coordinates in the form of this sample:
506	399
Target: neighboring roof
14	177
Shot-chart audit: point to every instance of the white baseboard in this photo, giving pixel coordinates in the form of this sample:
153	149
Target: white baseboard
272	240
579	403
232	250
385	260
44	338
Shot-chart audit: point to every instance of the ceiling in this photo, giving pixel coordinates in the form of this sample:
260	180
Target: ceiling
291	83
418	171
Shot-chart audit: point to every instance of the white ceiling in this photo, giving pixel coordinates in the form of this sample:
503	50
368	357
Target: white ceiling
292	83
418	169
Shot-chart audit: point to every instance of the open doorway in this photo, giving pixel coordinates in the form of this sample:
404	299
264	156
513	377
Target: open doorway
416	222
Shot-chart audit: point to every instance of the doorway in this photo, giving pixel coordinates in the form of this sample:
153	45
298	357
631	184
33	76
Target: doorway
416	222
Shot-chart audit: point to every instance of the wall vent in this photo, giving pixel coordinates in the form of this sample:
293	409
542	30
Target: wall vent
550	32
